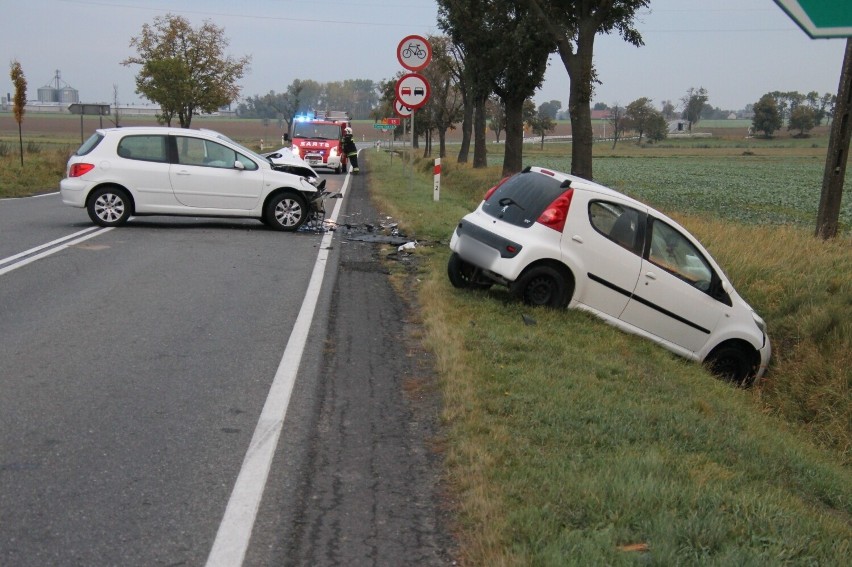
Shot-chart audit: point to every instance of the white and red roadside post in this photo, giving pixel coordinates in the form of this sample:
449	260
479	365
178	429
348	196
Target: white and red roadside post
436	192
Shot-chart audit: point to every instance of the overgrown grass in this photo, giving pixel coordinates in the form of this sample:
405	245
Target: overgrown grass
572	443
44	167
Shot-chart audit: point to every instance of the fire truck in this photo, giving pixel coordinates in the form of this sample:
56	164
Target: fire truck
318	139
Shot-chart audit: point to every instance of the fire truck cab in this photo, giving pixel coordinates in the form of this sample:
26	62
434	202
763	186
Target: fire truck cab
318	139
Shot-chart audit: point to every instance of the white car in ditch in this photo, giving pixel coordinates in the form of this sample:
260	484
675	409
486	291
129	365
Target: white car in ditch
558	240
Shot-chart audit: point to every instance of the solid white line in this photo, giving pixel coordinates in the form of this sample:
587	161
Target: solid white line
43	246
29	196
32	259
232	539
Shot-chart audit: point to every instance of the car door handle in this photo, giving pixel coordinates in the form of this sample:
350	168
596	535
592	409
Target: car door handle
183	172
577	238
651	275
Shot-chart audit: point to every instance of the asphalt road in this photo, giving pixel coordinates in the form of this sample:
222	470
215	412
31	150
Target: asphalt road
134	367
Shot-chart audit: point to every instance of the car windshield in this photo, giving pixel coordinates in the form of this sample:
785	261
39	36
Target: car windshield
316	131
522	198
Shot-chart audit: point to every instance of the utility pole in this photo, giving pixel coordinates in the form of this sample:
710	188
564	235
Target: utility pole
838	153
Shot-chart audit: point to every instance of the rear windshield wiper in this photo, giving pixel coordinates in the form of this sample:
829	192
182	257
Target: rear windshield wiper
508	201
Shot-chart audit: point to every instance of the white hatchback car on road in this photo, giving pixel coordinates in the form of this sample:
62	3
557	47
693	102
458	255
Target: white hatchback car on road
119	172
560	240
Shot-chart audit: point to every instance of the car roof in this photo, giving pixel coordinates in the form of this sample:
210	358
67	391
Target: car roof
585	184
212	134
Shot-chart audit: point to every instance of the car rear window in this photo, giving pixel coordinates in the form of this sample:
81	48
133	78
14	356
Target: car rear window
89	144
523	197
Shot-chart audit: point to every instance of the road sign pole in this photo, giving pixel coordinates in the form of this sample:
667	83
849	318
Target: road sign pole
411	154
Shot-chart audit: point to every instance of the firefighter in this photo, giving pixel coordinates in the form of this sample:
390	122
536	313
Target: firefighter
350	150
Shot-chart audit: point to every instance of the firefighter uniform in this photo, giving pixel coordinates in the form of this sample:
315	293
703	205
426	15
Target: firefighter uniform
350	150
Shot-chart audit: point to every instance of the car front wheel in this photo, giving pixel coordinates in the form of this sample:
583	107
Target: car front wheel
731	363
543	286
287	211
109	206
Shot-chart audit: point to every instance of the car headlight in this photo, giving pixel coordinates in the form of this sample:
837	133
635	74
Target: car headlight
295	150
758	320
333	152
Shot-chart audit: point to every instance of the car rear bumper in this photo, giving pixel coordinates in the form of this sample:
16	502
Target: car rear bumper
501	253
73	192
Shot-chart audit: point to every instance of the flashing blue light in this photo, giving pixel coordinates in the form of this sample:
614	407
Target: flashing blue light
302	118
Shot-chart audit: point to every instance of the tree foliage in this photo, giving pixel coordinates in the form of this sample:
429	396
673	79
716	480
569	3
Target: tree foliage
573	26
803	119
16	73
509	50
444	108
638	115
767	116
693	105
550	109
496	113
184	69
542	121
617	121
476	43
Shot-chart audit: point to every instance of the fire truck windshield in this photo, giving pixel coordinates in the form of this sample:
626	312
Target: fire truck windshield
316	131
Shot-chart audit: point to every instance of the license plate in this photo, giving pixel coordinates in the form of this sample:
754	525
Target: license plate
476	252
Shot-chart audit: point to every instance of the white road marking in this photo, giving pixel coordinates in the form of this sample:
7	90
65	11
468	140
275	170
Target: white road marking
57	246
232	539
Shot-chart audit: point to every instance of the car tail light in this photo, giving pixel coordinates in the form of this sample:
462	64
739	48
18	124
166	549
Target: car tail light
491	191
555	214
79	169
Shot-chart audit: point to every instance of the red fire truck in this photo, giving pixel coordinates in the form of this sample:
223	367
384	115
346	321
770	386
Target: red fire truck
318	139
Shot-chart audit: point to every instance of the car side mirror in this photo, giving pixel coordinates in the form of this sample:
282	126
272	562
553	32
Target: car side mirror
286	137
721	290
239	165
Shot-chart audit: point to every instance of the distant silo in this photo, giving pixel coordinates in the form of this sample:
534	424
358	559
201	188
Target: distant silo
48	94
68	95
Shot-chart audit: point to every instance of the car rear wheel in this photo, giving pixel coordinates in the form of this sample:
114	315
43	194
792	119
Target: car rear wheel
463	274
287	211
109	206
543	286
731	363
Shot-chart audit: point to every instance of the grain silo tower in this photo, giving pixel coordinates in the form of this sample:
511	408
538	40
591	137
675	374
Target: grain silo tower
58	91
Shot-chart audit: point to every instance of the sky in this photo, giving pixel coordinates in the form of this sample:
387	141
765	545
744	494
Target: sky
737	50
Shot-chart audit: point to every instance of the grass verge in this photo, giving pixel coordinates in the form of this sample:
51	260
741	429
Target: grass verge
570	442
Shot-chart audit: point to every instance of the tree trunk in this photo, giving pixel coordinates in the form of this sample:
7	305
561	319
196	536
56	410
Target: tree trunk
467	126
480	149
513	158
21	141
838	153
579	67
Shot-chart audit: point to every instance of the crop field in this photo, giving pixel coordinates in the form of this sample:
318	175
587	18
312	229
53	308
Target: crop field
778	186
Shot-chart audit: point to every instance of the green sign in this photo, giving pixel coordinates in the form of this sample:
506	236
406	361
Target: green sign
820	18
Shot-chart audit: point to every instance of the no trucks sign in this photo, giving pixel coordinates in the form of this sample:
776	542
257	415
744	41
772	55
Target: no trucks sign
820	18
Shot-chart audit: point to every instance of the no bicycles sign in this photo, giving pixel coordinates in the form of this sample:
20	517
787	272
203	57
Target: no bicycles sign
414	53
